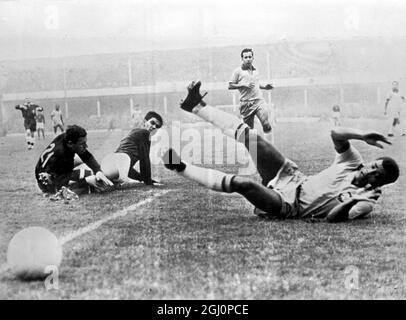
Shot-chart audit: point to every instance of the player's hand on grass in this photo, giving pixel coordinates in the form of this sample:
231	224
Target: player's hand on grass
374	138
128	183
367	194
101	177
99	182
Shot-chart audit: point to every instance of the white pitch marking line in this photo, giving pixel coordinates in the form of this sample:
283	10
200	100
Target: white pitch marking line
97	224
115	215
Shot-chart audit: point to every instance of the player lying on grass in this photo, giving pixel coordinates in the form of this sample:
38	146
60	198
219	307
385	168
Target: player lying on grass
134	147
55	169
348	189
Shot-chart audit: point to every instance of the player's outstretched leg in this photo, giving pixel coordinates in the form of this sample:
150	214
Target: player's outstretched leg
261	197
212	179
266	157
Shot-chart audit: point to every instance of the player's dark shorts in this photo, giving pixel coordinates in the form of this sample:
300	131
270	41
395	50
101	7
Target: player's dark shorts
396	121
30	125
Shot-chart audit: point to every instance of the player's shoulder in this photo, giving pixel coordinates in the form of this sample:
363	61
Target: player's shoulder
237	69
139	131
136	134
59	144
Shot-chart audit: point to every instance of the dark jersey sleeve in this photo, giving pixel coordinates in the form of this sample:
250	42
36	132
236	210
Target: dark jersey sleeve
90	160
23	109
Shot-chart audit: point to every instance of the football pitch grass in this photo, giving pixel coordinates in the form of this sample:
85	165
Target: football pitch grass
185	242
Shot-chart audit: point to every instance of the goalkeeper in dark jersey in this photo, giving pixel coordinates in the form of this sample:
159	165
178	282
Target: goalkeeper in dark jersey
119	166
55	170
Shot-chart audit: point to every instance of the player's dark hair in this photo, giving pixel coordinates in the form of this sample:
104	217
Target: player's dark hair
246	50
153	114
391	170
73	133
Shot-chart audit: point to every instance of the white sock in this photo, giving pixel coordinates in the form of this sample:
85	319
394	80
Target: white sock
227	122
212	179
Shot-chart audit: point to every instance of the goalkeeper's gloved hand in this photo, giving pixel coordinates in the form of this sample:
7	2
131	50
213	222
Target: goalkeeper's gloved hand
101	177
45	178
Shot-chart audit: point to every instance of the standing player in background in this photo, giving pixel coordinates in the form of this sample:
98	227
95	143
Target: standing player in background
393	108
30	125
57	119
134	147
245	79
336	115
40	118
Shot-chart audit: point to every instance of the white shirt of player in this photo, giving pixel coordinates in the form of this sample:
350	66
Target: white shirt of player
395	103
56	116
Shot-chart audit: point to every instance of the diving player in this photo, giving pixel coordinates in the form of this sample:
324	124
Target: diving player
348	189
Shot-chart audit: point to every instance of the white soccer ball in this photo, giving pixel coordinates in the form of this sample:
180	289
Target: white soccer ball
34	253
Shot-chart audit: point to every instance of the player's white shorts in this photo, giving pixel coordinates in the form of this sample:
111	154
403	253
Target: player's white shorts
40	125
115	166
286	183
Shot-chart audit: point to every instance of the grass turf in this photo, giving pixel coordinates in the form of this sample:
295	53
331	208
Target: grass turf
197	244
